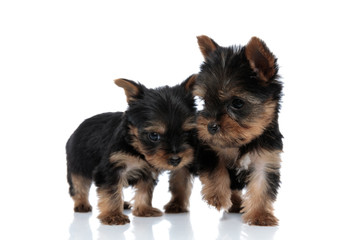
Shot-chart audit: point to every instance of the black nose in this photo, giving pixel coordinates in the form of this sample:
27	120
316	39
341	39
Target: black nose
174	160
213	128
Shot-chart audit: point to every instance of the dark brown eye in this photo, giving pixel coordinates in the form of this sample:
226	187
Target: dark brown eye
237	103
154	137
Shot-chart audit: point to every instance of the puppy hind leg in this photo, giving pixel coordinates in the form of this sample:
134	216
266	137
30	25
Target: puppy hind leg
236	201
79	191
180	185
127	205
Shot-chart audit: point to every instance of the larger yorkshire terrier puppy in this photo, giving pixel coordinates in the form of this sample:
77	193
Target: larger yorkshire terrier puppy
116	150
241	93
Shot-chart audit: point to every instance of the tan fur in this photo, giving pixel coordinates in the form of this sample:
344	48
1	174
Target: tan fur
160	159
157	128
257	206
134	133
234	131
190	82
144	190
111	206
206	45
130	89
130	164
229	155
202	124
236	201
180	187
122	158
81	187
261	59
228	135
216	187
198	91
231	133
189	124
142	200
249	129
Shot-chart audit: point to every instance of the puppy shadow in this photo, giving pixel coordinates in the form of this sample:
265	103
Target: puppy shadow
180	226
80	227
231	226
143	227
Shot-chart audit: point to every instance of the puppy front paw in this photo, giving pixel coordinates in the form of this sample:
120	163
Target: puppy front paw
146	212
114	219
83	207
219	200
260	219
175	207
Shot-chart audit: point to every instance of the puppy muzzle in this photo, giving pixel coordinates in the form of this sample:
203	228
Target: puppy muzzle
174	160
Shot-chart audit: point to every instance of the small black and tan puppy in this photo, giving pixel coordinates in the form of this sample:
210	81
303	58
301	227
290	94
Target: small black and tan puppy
116	150
241	91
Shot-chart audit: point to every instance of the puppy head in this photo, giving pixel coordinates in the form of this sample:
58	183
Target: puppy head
162	122
240	90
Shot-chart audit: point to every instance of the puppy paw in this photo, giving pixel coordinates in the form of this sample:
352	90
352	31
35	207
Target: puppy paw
175	207
146	212
216	198
216	190
114	219
82	207
261	219
218	201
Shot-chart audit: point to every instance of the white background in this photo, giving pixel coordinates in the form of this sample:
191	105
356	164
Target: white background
58	60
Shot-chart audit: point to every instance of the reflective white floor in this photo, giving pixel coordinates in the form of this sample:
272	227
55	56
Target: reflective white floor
304	212
169	227
200	223
316	218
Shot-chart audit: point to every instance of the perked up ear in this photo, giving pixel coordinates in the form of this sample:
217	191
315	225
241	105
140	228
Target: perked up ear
261	60
132	90
207	45
189	83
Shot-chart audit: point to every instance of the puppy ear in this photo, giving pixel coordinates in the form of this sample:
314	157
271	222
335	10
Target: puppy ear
189	83
261	60
132	90
207	45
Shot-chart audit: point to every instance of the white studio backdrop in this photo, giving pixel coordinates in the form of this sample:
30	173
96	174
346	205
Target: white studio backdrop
58	60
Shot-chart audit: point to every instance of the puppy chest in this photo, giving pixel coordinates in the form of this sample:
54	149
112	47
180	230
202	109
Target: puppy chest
133	168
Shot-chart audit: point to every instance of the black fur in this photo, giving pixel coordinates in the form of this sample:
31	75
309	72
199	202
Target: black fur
97	138
230	64
273	179
206	159
89	142
238	179
241	91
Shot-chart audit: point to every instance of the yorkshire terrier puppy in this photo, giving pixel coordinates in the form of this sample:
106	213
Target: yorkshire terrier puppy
241	91
116	150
